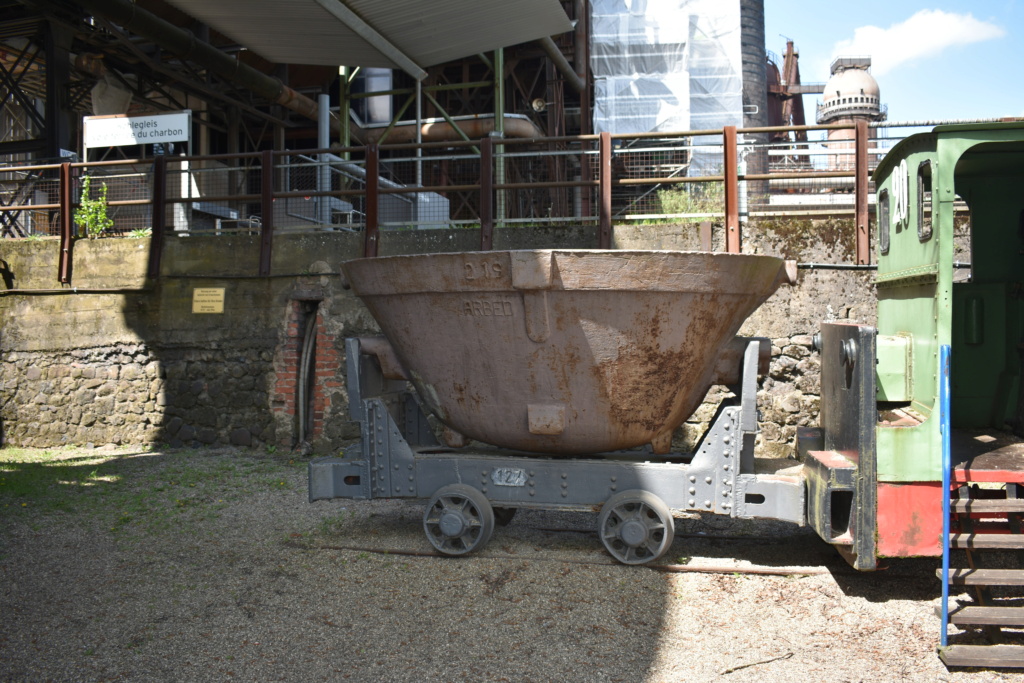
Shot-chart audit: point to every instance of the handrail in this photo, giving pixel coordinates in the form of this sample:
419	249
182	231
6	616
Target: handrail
599	166
944	427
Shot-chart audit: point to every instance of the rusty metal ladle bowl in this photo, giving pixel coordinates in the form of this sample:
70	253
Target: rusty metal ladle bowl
564	351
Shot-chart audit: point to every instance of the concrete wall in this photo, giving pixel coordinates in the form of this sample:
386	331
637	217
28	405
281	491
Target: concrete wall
119	359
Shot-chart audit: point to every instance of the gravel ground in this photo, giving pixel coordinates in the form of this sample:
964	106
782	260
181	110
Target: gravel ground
119	564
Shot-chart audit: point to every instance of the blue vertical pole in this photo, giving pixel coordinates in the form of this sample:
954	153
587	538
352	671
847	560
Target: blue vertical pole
944	426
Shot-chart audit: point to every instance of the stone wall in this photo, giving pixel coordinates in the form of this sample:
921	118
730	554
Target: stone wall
129	393
121	359
789	396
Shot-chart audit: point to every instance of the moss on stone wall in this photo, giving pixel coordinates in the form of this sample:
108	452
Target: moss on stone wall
803	239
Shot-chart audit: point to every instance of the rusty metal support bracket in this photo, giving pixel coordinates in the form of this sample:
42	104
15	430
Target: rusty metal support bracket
267	211
486	194
863	249
604	240
156	243
372	235
67	225
732	194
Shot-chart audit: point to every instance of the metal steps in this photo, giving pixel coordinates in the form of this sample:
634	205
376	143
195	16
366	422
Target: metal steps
986	520
978	541
984	577
992	656
988	505
987	616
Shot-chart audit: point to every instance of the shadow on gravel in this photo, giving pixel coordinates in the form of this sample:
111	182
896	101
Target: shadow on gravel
897	579
915	578
773	544
58	483
132	489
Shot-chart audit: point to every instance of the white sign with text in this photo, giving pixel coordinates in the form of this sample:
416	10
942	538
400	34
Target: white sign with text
118	131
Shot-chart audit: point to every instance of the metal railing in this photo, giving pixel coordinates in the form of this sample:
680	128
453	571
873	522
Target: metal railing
947	465
721	176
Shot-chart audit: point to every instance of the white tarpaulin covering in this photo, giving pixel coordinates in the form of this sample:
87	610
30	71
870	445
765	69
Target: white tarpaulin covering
666	65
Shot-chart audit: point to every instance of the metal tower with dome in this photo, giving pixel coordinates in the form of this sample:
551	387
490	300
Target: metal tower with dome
851	94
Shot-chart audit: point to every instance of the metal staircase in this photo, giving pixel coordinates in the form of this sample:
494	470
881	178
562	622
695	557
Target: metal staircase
980	522
976	520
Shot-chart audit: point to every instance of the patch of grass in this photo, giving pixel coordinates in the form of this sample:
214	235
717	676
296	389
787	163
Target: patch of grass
699	198
48	480
331	524
132	492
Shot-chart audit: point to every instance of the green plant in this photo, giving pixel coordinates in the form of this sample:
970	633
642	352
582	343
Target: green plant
139	233
91	216
34	237
696	198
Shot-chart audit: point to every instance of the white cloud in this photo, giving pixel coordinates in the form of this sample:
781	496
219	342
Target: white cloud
925	34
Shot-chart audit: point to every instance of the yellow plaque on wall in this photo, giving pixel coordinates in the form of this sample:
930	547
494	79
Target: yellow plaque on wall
208	300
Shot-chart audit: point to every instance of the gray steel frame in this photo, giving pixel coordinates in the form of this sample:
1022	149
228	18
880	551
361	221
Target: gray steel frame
399	457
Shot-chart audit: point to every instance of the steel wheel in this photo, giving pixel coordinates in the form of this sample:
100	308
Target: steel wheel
458	520
636	527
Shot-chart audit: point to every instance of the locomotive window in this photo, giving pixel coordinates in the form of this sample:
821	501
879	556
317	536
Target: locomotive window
962	252
924	201
883	221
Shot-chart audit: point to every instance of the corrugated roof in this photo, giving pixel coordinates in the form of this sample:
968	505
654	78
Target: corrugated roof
427	31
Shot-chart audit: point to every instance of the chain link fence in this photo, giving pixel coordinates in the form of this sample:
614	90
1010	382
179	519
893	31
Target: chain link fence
126	190
29	196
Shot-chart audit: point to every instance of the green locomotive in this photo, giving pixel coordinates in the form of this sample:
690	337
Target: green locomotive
950	240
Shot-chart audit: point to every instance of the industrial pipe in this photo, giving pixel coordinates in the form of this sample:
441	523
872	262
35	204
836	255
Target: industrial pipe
305	360
581	40
441	131
562	64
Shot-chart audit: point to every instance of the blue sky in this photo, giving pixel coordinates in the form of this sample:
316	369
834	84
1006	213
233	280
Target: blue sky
932	60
